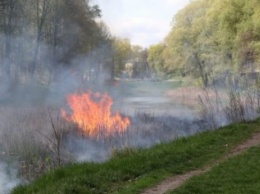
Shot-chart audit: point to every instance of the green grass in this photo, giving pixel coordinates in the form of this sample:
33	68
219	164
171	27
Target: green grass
238	175
132	171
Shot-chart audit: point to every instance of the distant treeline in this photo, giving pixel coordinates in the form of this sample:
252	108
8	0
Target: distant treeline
37	36
210	39
41	38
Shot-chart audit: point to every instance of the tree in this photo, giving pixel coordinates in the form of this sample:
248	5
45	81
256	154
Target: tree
156	59
8	14
42	11
211	38
186	45
121	54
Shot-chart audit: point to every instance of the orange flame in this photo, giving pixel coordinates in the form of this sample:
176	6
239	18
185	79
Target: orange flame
92	113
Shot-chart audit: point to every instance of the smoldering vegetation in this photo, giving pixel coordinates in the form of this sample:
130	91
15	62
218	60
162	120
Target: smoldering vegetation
146	129
238	101
40	139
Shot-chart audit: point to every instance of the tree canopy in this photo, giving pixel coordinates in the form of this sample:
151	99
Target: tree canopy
210	38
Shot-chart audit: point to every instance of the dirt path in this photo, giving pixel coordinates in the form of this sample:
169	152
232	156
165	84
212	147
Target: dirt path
174	182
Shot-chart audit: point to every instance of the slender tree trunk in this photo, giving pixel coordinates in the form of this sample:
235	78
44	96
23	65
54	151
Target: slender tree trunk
2	25
113	68
8	26
203	74
40	22
91	62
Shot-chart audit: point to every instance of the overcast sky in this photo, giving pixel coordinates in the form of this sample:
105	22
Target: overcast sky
144	22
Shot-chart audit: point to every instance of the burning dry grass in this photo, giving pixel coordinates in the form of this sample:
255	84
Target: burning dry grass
41	139
145	130
92	112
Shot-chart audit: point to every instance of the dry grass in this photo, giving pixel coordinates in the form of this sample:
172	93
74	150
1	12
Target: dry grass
42	140
189	95
236	103
28	134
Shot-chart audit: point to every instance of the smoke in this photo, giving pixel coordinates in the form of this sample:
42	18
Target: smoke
8	178
154	119
26	100
145	131
85	149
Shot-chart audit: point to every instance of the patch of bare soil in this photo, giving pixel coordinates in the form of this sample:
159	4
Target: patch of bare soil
174	182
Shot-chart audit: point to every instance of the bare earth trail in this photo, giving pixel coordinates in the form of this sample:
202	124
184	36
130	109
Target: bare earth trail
174	182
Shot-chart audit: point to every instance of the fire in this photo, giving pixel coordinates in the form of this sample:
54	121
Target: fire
92	113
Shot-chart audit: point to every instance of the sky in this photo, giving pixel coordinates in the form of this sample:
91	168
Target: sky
143	22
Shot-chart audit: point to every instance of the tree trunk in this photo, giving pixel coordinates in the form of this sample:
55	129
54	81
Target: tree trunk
203	74
8	26
40	22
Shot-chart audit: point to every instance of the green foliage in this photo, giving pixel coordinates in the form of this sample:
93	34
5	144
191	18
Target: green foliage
132	171
134	55
122	53
156	59
210	38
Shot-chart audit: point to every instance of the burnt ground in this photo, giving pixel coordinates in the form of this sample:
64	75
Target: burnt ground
174	182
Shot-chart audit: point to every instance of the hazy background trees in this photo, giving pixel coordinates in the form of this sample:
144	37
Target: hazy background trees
41	37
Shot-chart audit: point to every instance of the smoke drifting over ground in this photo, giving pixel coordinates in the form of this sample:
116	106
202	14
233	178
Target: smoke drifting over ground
33	115
8	178
145	131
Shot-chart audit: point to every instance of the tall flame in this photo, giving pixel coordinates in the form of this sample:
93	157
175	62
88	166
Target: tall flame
92	113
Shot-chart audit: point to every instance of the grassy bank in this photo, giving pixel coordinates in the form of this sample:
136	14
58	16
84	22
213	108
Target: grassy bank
132	171
238	175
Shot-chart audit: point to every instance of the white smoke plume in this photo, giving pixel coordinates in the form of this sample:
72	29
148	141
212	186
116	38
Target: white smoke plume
8	178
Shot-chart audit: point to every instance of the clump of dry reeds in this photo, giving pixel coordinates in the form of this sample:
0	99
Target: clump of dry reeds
240	103
34	136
